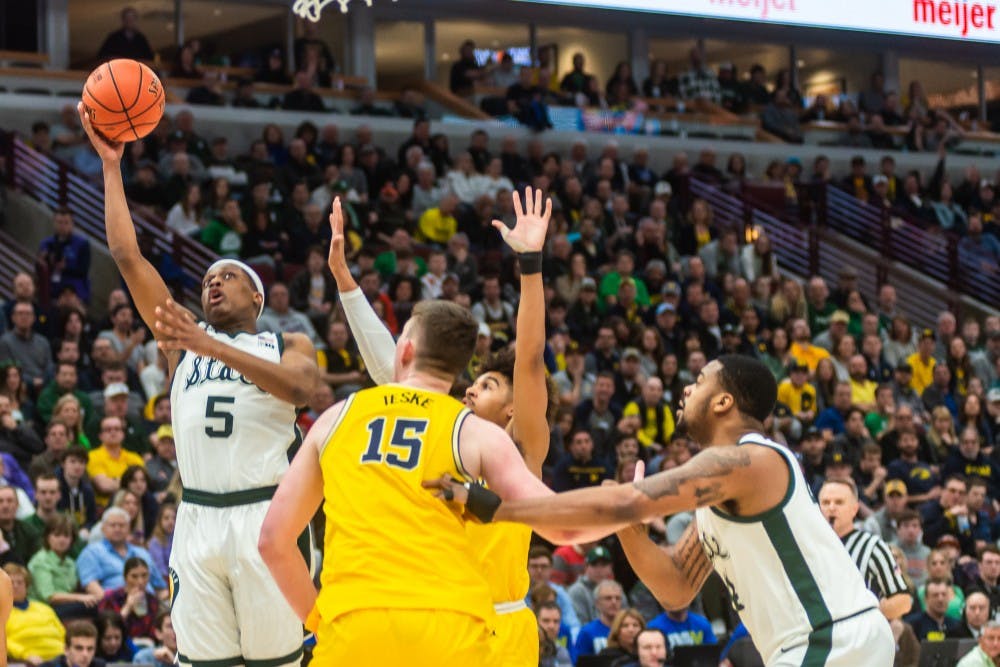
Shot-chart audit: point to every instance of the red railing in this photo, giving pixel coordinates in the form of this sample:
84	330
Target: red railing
55	183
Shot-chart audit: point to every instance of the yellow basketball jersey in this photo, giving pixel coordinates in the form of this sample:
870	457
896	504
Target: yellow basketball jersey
502	549
389	542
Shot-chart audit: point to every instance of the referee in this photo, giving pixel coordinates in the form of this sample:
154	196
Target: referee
838	500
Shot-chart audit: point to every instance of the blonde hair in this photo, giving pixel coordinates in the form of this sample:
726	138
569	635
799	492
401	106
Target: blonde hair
616	626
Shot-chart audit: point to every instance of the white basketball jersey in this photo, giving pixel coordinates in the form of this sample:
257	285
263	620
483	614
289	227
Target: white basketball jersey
787	571
230	434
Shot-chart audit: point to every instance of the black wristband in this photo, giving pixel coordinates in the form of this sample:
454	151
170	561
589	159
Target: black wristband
531	262
482	502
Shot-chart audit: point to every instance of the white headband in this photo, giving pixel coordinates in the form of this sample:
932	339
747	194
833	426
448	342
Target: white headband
246	269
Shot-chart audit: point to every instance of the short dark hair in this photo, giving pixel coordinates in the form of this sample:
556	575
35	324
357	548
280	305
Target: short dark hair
909	515
161	617
76	452
870	448
539	551
957	477
976	481
751	383
988	549
938	581
551	606
76	629
502	362
447	336
851	410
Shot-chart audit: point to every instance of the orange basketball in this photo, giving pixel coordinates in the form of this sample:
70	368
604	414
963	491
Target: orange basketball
124	99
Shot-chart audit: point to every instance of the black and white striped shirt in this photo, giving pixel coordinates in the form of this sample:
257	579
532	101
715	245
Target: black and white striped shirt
874	560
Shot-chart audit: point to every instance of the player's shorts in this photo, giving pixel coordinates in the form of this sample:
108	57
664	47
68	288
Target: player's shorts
414	637
515	639
226	605
865	639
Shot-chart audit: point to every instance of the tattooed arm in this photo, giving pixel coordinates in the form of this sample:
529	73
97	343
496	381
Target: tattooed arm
674	575
716	475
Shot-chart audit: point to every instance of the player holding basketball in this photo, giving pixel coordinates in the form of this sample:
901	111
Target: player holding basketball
511	391
234	394
791	580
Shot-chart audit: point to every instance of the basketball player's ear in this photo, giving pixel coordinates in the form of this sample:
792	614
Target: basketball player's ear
722	403
407	352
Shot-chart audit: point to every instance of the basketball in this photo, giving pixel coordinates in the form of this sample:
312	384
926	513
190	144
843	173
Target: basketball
124	100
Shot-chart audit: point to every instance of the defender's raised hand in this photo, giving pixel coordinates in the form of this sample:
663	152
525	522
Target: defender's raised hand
532	224
109	151
336	259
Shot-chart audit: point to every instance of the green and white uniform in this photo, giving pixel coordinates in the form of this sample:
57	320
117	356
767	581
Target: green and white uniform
793	583
232	442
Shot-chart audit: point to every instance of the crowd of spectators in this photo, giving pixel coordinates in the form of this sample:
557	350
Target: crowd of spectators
873	118
642	291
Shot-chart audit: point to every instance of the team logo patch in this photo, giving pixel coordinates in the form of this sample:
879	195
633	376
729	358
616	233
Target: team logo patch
174	586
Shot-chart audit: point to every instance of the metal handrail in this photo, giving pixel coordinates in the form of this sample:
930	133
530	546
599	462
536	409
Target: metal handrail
828	234
55	183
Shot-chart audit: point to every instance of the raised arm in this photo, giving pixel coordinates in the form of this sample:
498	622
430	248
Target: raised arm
292	380
144	282
531	396
375	343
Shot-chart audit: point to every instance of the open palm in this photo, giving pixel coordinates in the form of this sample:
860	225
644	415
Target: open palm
532	224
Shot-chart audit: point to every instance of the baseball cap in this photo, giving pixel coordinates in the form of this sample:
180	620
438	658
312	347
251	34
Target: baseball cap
879	179
730	329
993	395
340	186
662	188
165	431
588	283
115	389
895	486
666	308
598	554
837	455
671	288
631	352
840	316
796	365
904	367
927	333
812	432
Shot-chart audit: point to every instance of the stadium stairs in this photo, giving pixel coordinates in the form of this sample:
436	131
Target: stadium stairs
827	229
43	183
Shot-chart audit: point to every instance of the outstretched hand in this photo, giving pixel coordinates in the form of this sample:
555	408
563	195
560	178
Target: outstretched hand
337	260
532	224
177	329
109	151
